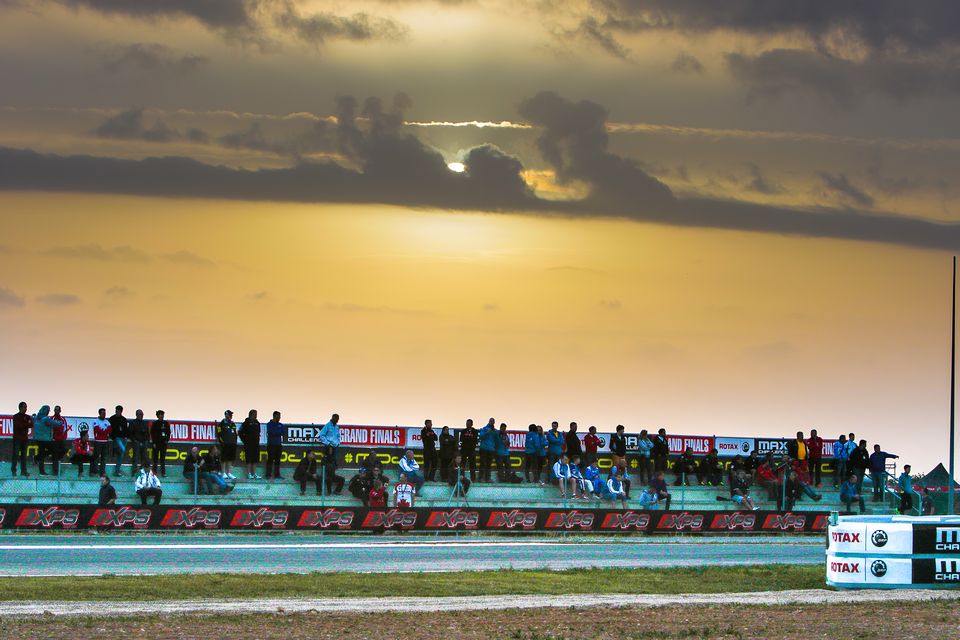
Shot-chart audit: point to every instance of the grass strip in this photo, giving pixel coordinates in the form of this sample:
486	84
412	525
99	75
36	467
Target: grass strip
460	583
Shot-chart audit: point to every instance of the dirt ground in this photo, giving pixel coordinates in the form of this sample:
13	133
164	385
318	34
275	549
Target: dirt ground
807	622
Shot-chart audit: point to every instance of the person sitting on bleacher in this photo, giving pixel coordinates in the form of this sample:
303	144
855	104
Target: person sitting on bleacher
577	475
592	476
307	471
563	472
648	498
409	466
711	470
147	485
615	489
403	493
82	451
742	499
685	468
359	485
377	499
211	472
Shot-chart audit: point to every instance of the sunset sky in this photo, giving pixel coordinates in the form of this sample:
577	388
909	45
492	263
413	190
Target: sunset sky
728	218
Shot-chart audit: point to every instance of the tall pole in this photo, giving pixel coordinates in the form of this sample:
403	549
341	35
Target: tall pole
953	386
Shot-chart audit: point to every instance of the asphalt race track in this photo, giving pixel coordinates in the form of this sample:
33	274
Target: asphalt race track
50	555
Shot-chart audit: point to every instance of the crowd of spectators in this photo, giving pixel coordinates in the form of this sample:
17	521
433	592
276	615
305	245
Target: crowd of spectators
560	458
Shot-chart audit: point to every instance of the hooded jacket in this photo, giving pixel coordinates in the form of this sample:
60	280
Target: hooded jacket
43	425
554	443
488	438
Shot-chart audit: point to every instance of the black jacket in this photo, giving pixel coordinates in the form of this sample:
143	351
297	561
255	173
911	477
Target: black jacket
859	459
618	445
429	439
227	432
138	430
468	440
160	432
307	467
250	431
574	448
118	426
448	445
660	446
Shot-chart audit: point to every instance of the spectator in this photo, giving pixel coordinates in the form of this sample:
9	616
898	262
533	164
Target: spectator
369	461
448	451
276	432
378	474
711	470
469	438
554	447
618	447
250	436
429	439
751	464
644	451
22	425
488	448
742	499
404	491
330	437
878	471
577	474
227	439
211	472
797	449
118	434
740	480
615	489
503	454
454	472
191	468
564	474
148	485
410	470
377	497
333	481
591	444
736	465
60	433
138	432
307	470
572	440
593	480
686	467
542	460
905	483
101	443
768	479
840	456
43	426
851	444
648	498
160	437
531	453
859	462
926	504
660	451
815	457
359	485
108	495
850	491
82	451
660	486
796	488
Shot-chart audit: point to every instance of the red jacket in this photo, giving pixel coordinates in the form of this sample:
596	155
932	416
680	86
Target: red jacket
377	498
82	448
591	443
22	423
60	433
101	433
765	473
814	448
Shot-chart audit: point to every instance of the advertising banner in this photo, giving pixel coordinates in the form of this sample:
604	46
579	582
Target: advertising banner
294	518
729	447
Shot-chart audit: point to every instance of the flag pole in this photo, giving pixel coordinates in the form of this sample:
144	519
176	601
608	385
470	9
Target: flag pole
953	380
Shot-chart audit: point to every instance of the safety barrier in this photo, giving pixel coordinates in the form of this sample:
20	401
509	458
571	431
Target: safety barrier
887	552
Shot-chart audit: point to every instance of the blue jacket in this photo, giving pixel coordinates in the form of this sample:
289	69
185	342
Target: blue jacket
592	474
43	425
644	445
531	446
330	435
848	490
878	461
841	451
503	446
275	432
905	482
543	444
488	438
554	443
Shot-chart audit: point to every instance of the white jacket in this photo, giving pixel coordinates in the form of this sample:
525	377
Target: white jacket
147	480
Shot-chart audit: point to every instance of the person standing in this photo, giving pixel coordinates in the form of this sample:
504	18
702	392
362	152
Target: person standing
503	453
138	432
148	485
429	439
118	433
878	471
448	450
618	448
905	482
660	452
488	449
227	438
60	433
797	449
22	425
43	426
531	454
591	445
101	442
543	455
276	432
840	456
160	437
815	456
469	438
572	440
554	448
329	439
250	435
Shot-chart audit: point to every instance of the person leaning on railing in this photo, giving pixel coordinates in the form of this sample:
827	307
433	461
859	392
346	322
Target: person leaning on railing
878	470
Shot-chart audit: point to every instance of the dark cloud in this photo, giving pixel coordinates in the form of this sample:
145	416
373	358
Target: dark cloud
129	125
121	253
317	28
840	185
141	57
591	31
58	299
10	299
758	182
215	14
384	165
686	63
188	258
